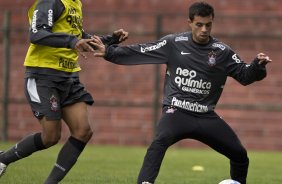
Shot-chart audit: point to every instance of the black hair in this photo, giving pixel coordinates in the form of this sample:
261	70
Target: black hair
202	9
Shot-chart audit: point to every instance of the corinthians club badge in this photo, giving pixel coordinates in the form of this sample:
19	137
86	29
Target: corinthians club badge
54	103
212	58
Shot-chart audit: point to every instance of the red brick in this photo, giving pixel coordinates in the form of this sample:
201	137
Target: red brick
248	27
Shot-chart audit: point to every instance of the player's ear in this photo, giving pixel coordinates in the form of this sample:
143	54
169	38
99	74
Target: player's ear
189	21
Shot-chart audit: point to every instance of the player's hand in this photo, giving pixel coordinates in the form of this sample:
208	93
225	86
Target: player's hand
263	59
100	47
123	35
83	46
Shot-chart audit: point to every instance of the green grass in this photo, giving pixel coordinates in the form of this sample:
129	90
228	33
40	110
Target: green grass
120	165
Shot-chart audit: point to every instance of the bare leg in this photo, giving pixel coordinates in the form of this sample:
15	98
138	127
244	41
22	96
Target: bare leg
76	118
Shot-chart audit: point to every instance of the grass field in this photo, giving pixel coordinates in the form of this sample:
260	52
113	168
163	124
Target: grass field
120	165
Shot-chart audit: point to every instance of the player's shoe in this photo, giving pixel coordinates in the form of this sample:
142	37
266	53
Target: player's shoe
146	182
3	167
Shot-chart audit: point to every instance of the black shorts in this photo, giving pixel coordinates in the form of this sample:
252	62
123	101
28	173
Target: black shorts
177	124
47	96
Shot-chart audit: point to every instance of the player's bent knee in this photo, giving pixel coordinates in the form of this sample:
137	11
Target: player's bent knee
83	135
51	140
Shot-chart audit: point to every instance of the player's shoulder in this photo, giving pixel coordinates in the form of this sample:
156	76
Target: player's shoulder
216	43
177	37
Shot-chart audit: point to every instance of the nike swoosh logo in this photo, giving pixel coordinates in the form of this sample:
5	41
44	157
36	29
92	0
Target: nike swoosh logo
185	53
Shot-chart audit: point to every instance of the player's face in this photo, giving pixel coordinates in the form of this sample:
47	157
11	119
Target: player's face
201	28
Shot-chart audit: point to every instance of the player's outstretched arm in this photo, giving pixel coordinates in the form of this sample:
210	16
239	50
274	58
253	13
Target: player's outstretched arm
136	54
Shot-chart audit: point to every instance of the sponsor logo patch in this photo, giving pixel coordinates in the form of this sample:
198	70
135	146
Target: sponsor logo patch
50	17
153	47
181	38
220	46
236	58
190	106
187	80
33	23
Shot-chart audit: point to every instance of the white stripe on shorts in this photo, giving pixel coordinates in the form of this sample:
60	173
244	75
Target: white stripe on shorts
32	90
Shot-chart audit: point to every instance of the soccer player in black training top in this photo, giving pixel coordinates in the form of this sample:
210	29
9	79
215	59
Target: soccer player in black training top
52	84
197	68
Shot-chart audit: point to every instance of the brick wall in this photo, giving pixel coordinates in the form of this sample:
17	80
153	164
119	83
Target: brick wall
124	94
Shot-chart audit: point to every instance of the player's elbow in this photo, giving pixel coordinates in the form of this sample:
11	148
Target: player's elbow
33	38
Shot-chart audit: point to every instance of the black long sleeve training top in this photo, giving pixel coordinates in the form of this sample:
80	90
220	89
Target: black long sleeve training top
196	74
